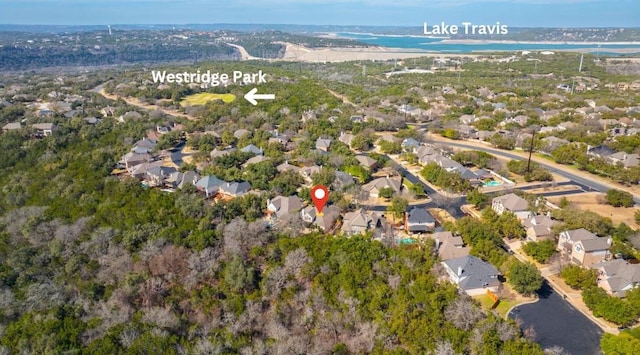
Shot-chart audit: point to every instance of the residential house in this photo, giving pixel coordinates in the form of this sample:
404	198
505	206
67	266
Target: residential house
11	126
419	220
180	180
308	171
215	153
144	146
552	143
617	276
484	135
467	119
360	221
539	227
255	160
209	185
409	144
627	160
252	149
325	221
450	246
140	171
583	247
346	138
511	203
282	206
366	161
373	187
466	131
132	159
286	167
472	275
234	189
323	144
601	151
157	175
44	129
342	181
240	133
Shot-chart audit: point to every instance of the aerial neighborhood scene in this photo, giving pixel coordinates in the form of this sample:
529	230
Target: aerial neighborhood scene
433	179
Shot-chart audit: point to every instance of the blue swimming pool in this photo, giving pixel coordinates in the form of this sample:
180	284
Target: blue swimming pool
492	183
407	241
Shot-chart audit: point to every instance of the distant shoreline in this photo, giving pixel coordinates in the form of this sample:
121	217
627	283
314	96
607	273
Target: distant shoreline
448	40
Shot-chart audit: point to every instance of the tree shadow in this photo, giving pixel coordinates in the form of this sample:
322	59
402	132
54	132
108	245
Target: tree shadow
545	291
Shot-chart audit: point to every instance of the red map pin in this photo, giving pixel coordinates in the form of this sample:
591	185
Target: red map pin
319	196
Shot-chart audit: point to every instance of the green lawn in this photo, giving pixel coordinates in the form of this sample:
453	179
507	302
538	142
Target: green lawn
503	307
203	98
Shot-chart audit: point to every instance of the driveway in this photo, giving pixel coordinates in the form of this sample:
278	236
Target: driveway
557	323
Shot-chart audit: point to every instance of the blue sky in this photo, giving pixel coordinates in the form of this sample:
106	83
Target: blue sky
515	13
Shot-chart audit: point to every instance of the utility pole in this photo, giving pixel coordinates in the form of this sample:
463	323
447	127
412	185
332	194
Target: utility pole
533	135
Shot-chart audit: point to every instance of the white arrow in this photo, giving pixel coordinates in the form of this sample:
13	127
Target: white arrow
251	96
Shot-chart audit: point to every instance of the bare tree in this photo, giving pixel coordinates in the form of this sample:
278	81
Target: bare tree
444	348
556	350
463	313
506	331
530	333
295	261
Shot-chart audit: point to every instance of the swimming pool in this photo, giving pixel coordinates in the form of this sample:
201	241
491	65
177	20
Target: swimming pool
492	183
407	241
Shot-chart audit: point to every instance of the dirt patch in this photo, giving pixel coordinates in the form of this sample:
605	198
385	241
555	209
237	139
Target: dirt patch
594	201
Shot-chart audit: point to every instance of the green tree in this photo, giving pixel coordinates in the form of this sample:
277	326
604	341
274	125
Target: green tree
525	278
622	344
386	192
398	207
477	198
618	198
540	251
579	278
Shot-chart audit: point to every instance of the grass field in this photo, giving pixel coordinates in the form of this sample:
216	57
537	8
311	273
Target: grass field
203	98
592	201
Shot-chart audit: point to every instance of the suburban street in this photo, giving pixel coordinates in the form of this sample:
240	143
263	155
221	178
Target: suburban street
585	183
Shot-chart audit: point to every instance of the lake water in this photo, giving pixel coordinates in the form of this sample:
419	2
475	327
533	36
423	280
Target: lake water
436	44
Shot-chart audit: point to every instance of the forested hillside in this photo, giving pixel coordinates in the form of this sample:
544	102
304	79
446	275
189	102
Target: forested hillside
95	264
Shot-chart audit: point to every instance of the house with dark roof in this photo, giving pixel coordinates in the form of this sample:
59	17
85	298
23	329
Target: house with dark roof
180	180
617	276
419	220
601	151
144	145
583	247
234	189
472	275
511	203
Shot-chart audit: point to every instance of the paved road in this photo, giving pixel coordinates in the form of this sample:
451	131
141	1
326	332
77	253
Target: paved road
556	322
586	184
177	153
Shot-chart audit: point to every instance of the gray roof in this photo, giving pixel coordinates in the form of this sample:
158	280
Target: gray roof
580	234
420	216
284	205
12	125
475	272
619	274
596	244
393	182
235	188
322	143
252	149
209	183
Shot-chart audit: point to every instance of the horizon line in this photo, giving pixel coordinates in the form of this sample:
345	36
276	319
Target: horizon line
291	24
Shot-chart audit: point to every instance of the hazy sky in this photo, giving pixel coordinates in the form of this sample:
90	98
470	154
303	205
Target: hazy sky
516	13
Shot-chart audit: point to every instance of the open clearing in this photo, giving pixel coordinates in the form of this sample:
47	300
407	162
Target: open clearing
591	202
203	98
